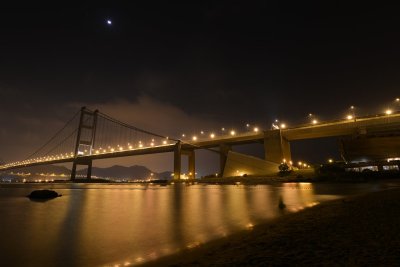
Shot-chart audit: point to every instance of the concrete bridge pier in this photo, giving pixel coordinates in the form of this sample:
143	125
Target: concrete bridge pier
191	162
87	163
178	152
276	147
223	155
177	161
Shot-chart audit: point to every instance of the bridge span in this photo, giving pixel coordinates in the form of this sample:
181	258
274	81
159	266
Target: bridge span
90	140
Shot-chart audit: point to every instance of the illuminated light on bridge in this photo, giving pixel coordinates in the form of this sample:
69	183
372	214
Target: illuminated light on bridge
194	138
314	122
397	99
85	150
330	160
240	173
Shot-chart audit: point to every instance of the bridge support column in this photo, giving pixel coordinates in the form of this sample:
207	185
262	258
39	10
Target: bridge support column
87	163
73	172
223	149
191	162
177	161
89	170
276	147
178	152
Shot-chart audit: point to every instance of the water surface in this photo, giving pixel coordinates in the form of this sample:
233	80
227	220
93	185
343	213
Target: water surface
110	225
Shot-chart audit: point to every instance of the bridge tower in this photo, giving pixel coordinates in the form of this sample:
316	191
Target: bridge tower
85	141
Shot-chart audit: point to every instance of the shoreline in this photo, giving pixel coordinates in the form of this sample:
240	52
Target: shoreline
355	231
298	176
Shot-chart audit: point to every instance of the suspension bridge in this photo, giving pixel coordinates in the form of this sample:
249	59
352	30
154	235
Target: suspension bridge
92	135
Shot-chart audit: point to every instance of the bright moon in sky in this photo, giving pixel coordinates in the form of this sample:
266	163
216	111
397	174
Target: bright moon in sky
109	22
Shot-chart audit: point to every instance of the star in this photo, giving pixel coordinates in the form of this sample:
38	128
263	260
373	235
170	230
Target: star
109	22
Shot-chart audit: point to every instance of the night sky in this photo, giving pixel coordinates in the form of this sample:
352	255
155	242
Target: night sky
183	68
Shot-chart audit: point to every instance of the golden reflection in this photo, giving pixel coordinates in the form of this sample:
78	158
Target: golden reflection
139	259
193	245
249	226
298	196
132	224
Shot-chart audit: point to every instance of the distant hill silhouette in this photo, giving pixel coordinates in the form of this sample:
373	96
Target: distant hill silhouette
116	171
44	169
123	172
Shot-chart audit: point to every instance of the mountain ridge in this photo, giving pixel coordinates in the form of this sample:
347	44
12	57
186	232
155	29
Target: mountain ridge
114	172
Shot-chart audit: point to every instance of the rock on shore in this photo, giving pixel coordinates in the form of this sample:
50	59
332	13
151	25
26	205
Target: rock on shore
43	194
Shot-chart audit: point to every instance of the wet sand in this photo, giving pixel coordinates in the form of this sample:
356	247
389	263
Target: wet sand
357	231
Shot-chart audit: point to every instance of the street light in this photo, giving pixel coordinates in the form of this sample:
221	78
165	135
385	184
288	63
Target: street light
353	113
312	119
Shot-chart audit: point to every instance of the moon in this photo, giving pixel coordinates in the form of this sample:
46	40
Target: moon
109	22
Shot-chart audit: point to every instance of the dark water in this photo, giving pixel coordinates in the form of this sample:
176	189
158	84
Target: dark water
124	225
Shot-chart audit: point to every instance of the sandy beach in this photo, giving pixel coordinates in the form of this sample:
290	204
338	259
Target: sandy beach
358	231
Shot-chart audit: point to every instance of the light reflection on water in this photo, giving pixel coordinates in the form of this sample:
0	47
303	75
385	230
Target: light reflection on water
109	225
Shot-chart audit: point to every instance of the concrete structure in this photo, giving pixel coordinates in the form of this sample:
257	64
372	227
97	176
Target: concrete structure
276	142
238	164
368	148
276	147
178	153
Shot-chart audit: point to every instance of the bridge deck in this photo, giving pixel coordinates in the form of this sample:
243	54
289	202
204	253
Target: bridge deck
378	123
